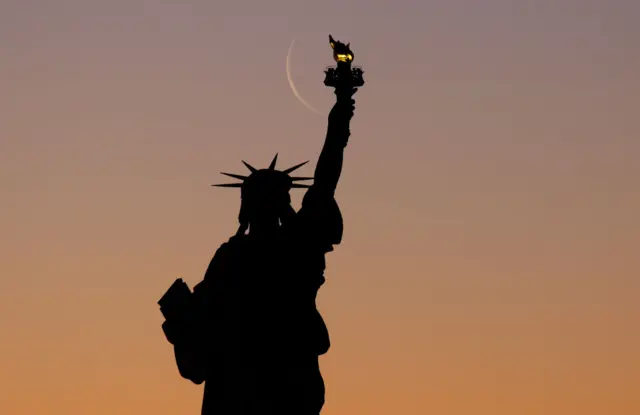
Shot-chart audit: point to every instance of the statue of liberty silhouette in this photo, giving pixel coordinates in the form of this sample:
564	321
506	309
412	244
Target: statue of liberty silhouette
250	330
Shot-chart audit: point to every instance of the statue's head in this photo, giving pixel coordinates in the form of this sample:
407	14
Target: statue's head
265	193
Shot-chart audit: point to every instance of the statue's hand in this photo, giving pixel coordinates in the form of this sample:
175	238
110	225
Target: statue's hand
344	95
343	109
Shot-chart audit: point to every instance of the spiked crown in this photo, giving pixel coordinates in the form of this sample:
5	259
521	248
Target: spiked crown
268	179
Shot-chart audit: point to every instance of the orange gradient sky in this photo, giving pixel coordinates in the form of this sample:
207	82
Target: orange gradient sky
490	193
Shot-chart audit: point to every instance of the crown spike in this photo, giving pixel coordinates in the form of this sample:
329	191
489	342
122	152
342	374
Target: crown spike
296	167
272	166
228	185
297	179
235	176
300	186
250	167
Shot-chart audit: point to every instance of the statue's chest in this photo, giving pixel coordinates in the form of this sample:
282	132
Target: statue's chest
277	273
273	259
257	268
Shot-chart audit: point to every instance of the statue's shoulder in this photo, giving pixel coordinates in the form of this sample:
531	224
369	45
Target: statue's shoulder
224	256
320	217
233	244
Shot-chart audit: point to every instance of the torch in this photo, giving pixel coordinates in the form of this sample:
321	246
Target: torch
343	77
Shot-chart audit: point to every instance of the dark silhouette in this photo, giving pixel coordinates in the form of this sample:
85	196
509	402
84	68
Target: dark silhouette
251	330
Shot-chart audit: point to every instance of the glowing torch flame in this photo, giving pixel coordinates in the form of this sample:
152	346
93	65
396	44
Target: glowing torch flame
341	52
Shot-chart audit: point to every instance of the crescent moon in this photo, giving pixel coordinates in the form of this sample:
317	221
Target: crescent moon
292	85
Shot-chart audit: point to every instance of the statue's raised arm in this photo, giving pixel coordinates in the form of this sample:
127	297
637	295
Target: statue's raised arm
345	80
330	161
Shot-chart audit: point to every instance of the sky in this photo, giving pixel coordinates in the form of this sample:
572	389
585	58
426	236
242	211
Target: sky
490	194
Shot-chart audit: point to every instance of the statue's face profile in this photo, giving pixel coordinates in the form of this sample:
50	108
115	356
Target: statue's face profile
265	194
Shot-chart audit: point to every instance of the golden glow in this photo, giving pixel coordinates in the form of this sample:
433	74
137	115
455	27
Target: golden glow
342	53
344	57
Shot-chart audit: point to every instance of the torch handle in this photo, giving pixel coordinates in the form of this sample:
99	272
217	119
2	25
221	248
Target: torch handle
344	94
